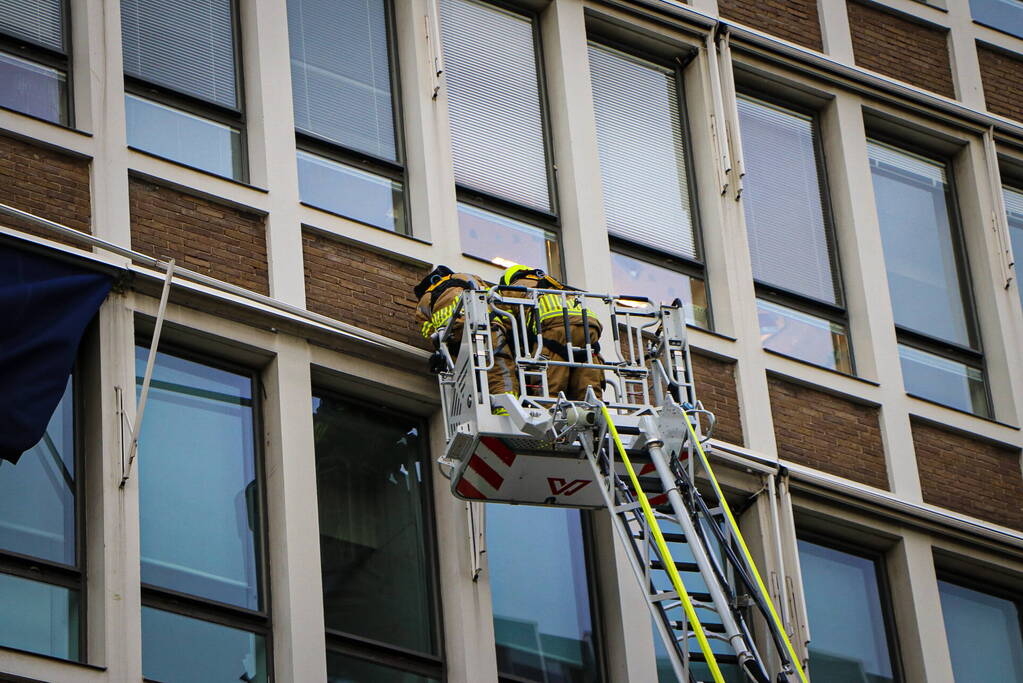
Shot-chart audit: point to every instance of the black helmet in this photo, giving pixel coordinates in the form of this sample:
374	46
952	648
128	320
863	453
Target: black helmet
431	278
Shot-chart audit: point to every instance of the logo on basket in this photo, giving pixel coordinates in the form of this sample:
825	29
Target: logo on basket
560	487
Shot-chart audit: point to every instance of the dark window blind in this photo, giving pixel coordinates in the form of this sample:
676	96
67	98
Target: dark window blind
642	152
37	21
784	201
497	130
340	73
184	45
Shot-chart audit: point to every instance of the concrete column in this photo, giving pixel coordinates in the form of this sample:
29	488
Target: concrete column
963	55
834	18
98	75
294	541
111	519
871	320
270	127
922	641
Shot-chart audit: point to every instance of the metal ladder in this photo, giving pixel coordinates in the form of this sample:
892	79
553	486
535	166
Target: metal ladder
705	604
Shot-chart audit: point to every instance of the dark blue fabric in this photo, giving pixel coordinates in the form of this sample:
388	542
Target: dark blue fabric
45	304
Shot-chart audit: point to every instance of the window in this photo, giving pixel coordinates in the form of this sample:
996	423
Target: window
502	168
183	87
1004	15
1014	210
788	224
376	549
648	204
34	63
927	278
983	631
201	524
343	83
540	585
41	558
852	639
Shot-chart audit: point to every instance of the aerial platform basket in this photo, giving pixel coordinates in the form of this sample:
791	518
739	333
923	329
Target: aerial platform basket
532	454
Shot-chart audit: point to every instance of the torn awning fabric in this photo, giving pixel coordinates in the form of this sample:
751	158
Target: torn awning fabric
45	305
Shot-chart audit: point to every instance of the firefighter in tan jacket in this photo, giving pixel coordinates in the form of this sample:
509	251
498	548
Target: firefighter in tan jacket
438	294
556	324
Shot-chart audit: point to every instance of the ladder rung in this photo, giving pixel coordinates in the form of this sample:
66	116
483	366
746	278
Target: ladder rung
709	629
670	537
681	566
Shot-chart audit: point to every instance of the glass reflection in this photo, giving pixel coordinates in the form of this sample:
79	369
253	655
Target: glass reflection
37	496
1004	15
33	89
661	285
944	381
803	336
505	241
1014	212
983	633
180	649
198	500
185	138
38	617
350	192
538	580
344	669
371	488
849	643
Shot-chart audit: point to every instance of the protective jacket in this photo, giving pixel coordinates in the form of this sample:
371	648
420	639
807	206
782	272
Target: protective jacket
438	296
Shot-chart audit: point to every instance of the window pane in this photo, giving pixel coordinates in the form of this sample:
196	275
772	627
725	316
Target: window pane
642	152
848	642
1004	15
371	481
913	210
784	200
198	498
185	45
506	241
944	381
37	21
807	337
636	277
344	669
538	581
179	649
1014	210
983	635
351	192
183	137
38	617
340	73
37	496
497	131
33	89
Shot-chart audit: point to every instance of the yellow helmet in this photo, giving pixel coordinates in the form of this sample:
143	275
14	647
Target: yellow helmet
513	273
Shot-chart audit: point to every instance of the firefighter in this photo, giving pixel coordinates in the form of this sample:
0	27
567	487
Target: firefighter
438	294
556	326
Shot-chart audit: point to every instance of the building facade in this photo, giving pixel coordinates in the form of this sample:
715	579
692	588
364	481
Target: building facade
833	188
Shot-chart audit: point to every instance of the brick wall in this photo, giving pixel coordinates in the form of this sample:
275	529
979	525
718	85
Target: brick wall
901	48
216	240
44	182
828	433
715	387
1002	76
792	20
361	287
970	476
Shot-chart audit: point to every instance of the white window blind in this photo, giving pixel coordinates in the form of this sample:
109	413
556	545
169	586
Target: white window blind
184	45
784	201
497	129
340	73
642	152
37	21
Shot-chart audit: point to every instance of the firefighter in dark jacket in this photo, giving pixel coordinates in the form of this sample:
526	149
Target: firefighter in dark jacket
556	324
438	295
